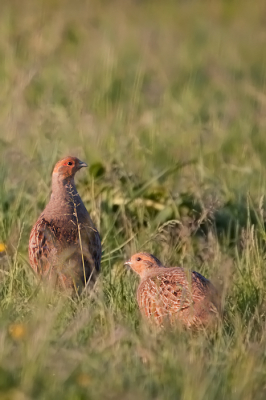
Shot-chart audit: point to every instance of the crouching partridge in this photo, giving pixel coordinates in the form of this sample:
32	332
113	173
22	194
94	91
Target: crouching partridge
174	294
64	244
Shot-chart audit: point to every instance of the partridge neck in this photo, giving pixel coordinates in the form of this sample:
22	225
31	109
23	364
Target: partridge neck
64	198
63	186
148	273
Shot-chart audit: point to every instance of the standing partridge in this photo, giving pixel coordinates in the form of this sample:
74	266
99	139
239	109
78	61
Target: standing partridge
174	294
64	244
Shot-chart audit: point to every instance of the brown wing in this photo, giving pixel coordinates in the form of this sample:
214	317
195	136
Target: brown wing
94	246
204	292
42	247
90	254
163	295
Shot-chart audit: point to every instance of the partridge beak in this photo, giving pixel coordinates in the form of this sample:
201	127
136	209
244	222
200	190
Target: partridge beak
128	263
82	164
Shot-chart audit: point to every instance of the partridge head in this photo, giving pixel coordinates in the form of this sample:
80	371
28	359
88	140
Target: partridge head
67	168
144	264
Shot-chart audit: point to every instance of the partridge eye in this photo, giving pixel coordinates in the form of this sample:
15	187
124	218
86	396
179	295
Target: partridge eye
69	163
138	258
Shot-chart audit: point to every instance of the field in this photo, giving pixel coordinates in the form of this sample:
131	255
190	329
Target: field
166	103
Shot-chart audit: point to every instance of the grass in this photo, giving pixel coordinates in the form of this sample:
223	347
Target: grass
165	101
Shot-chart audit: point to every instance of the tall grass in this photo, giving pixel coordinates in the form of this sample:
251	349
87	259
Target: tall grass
165	101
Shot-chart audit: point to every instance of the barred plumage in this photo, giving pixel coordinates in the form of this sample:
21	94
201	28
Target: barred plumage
174	294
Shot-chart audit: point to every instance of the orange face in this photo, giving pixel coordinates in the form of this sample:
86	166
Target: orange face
68	166
143	262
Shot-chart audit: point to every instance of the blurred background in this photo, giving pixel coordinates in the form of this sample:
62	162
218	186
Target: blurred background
135	81
165	100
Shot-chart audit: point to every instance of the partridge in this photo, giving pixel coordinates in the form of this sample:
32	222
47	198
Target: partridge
64	245
174	294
